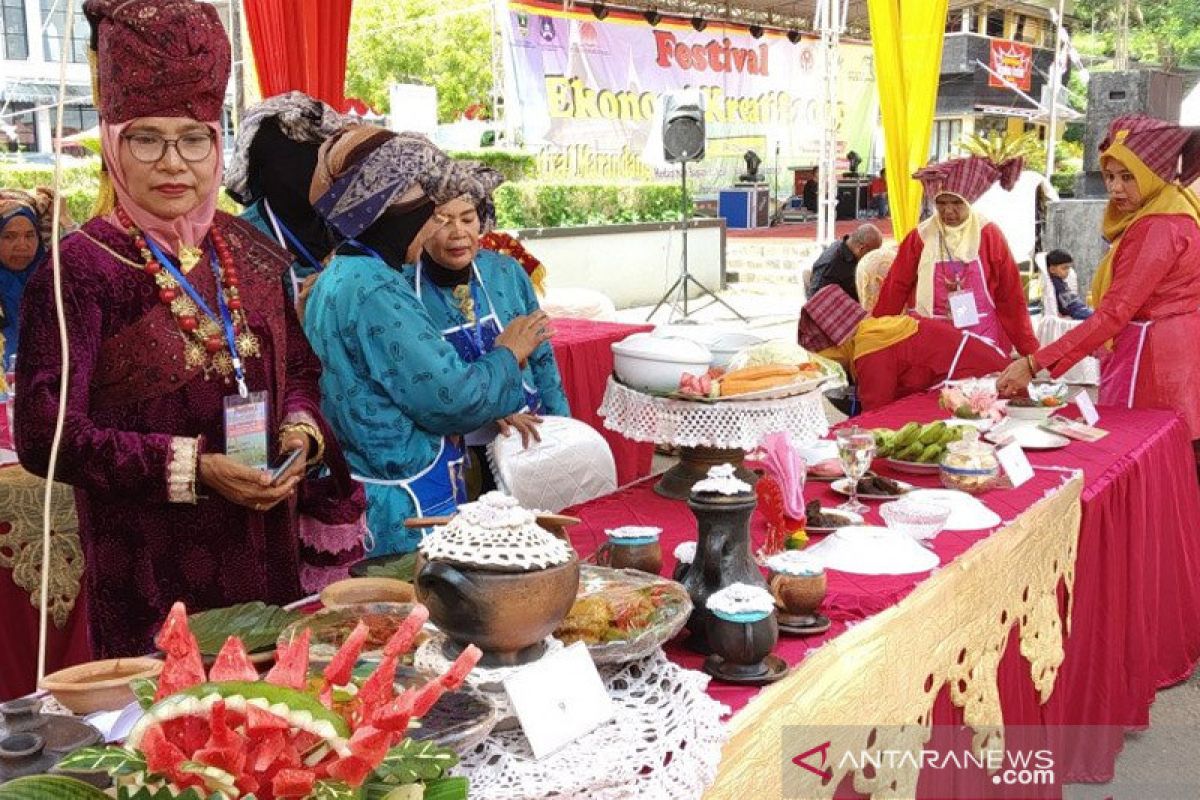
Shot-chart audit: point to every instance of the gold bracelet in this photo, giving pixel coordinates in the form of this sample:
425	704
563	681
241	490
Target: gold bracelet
1033	367
312	432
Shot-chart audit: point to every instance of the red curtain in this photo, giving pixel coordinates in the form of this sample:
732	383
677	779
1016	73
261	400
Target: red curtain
300	45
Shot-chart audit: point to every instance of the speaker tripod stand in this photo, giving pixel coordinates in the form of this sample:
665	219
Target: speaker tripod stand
677	295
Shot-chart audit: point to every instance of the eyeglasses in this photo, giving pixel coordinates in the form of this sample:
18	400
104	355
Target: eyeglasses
150	148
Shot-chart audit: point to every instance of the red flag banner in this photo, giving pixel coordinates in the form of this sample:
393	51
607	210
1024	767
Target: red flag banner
1012	61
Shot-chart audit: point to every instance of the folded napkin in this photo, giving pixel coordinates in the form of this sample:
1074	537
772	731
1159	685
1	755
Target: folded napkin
780	459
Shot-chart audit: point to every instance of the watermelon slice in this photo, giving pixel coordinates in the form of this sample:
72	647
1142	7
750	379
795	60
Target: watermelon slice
427	697
402	640
233	664
396	715
183	667
376	691
259	721
293	783
291	662
162	757
341	666
462	666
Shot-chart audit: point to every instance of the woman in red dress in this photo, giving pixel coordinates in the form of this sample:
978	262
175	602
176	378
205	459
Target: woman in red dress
957	258
1147	288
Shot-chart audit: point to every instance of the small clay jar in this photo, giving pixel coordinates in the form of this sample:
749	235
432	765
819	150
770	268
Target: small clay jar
24	754
743	641
22	714
797	595
641	553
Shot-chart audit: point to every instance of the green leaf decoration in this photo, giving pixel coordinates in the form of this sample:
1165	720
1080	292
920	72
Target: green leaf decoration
144	690
112	760
50	787
454	788
332	790
402	568
162	792
413	761
257	624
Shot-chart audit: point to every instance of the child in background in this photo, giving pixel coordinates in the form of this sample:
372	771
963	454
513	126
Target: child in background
1059	264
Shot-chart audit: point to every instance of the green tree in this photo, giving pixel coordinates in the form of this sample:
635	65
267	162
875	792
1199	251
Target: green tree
444	45
1165	32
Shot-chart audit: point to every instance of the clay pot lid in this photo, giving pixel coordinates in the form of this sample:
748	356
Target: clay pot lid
495	533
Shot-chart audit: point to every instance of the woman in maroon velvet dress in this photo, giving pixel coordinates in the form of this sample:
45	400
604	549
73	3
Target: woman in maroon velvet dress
164	513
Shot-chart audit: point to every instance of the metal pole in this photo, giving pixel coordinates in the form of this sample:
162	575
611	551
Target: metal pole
829	22
684	215
1055	86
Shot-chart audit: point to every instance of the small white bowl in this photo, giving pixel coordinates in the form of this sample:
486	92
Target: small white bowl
728	345
921	521
1030	413
654	364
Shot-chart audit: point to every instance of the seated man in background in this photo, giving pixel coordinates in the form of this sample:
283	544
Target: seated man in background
894	356
838	264
1059	265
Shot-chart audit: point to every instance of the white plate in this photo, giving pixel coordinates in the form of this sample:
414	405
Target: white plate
1029	437
912	467
967	513
873	550
842	486
848	518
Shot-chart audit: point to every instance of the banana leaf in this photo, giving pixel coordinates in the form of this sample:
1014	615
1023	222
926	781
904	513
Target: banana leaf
50	787
257	624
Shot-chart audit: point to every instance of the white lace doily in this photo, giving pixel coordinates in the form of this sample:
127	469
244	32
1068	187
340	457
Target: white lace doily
722	479
664	743
495	531
430	659
734	424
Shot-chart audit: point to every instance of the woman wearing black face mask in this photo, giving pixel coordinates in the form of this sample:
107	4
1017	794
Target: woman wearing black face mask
399	396
274	158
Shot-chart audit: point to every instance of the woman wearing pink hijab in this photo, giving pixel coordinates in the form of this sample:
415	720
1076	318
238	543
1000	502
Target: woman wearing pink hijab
188	369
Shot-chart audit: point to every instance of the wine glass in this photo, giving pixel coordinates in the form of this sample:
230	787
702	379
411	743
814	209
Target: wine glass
856	449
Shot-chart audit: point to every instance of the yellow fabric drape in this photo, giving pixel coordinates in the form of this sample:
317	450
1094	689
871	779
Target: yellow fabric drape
1158	197
907	39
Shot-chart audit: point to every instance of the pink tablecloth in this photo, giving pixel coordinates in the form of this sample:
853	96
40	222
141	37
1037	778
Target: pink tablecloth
583	349
1136	625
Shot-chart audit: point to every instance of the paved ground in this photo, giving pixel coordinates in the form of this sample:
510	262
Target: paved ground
1161	763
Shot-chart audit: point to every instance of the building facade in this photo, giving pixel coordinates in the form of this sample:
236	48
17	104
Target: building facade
990	48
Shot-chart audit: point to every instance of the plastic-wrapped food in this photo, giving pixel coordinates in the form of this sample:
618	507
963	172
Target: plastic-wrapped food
623	615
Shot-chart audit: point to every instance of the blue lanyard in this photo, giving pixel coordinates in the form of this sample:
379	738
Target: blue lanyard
477	333
297	246
226	318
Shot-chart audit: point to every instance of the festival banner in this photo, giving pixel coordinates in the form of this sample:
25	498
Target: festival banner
587	95
1012	61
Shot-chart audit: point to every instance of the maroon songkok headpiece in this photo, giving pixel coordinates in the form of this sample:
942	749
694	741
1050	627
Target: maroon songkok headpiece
157	58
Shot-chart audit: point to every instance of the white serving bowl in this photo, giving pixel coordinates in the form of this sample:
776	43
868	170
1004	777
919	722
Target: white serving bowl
654	364
728	345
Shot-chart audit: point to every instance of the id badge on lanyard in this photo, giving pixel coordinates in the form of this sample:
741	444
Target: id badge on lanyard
963	311
246	429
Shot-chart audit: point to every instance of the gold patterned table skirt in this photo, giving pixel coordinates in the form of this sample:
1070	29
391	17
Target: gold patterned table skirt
21	504
952	630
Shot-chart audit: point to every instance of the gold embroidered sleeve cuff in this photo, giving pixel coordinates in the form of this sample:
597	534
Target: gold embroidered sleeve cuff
181	470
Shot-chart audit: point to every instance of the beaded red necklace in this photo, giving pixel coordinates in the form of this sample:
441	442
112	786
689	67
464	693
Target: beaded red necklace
205	344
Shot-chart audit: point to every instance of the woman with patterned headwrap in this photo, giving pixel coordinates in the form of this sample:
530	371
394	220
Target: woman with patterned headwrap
25	221
1146	290
271	169
398	394
178	329
956	262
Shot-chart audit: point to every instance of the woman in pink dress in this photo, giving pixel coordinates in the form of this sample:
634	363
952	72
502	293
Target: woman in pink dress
1147	287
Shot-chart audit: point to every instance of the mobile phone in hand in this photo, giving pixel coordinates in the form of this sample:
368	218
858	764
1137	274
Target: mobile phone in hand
285	462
